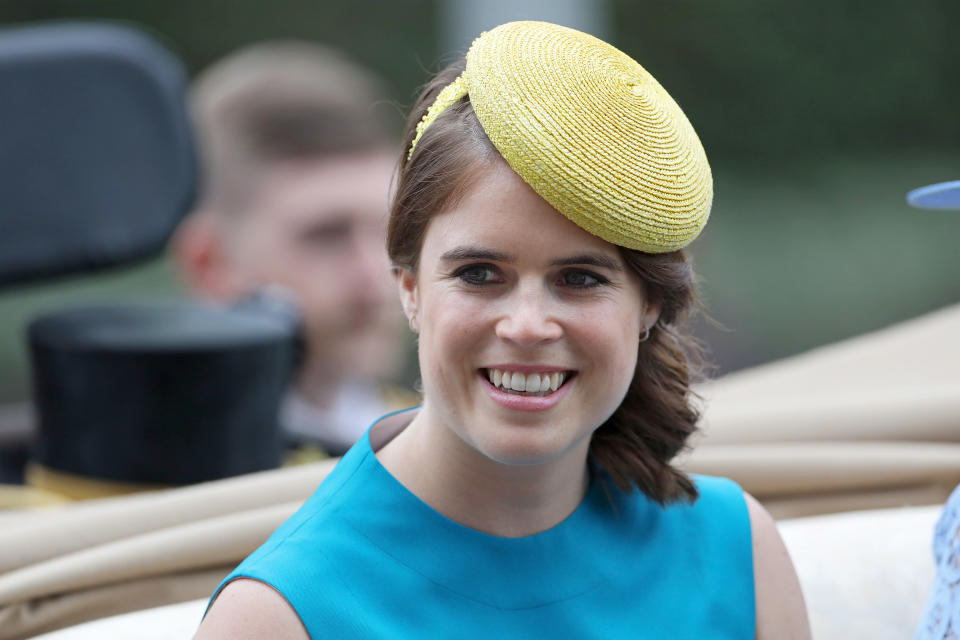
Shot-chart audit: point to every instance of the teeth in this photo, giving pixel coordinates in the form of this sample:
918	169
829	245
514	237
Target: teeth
533	382
540	383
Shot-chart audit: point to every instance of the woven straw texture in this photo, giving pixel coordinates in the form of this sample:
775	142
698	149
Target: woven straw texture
592	132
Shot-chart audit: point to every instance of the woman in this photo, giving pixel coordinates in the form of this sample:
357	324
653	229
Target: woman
941	616
532	494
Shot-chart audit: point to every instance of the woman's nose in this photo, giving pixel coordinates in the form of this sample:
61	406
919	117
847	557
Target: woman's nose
529	318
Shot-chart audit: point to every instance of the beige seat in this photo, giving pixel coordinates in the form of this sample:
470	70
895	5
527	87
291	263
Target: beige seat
866	423
864	575
789	432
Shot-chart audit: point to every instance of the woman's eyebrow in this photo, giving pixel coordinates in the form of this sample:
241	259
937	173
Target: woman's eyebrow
593	259
475	253
480	253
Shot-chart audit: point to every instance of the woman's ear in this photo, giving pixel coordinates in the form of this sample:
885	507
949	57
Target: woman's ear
649	318
409	296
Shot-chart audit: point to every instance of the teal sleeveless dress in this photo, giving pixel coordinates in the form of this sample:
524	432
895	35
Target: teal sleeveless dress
365	558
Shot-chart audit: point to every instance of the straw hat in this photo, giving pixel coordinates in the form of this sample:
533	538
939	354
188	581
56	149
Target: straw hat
590	130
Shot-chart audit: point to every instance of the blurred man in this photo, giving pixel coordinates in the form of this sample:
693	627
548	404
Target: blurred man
297	155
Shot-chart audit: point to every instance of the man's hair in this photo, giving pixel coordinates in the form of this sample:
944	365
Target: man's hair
281	101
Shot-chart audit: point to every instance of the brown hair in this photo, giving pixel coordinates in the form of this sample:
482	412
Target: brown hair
652	424
279	101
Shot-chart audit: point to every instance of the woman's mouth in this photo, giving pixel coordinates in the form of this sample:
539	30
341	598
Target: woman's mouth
527	384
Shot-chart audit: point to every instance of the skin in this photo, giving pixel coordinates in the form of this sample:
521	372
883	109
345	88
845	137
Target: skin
250	610
315	227
781	610
558	297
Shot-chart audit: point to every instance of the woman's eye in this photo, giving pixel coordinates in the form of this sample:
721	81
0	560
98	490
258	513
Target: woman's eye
476	274
581	279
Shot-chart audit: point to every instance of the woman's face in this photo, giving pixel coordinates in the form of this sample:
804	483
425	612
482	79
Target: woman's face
509	289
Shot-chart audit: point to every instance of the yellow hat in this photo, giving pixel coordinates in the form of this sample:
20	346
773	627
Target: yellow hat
590	130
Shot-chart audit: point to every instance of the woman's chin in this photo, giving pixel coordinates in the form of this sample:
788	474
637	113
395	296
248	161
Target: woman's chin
525	449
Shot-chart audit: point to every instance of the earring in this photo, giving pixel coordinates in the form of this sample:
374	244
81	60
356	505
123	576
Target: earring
646	334
414	325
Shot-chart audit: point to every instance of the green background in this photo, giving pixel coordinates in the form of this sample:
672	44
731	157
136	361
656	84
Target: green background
817	115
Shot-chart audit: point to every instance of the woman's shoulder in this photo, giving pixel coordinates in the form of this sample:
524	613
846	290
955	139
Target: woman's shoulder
713	530
340	488
719	491
718	517
720	507
316	549
278	584
730	519
247	608
780	607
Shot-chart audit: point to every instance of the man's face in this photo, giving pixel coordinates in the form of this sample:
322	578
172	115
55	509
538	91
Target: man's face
317	228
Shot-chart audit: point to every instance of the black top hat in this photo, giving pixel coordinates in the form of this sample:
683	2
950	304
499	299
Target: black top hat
98	167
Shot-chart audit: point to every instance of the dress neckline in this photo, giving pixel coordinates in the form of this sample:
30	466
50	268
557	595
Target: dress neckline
543	567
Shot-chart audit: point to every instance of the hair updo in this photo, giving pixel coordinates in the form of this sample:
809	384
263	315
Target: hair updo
636	445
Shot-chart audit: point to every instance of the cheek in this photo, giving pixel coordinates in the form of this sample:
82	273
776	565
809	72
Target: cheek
614	378
609	338
619	366
451	330
628	338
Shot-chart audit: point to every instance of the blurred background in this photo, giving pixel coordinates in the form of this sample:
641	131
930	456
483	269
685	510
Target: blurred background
818	116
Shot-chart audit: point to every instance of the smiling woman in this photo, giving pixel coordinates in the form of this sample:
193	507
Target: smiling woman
557	303
544	199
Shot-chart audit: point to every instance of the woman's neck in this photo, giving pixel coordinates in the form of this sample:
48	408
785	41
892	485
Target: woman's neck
437	466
